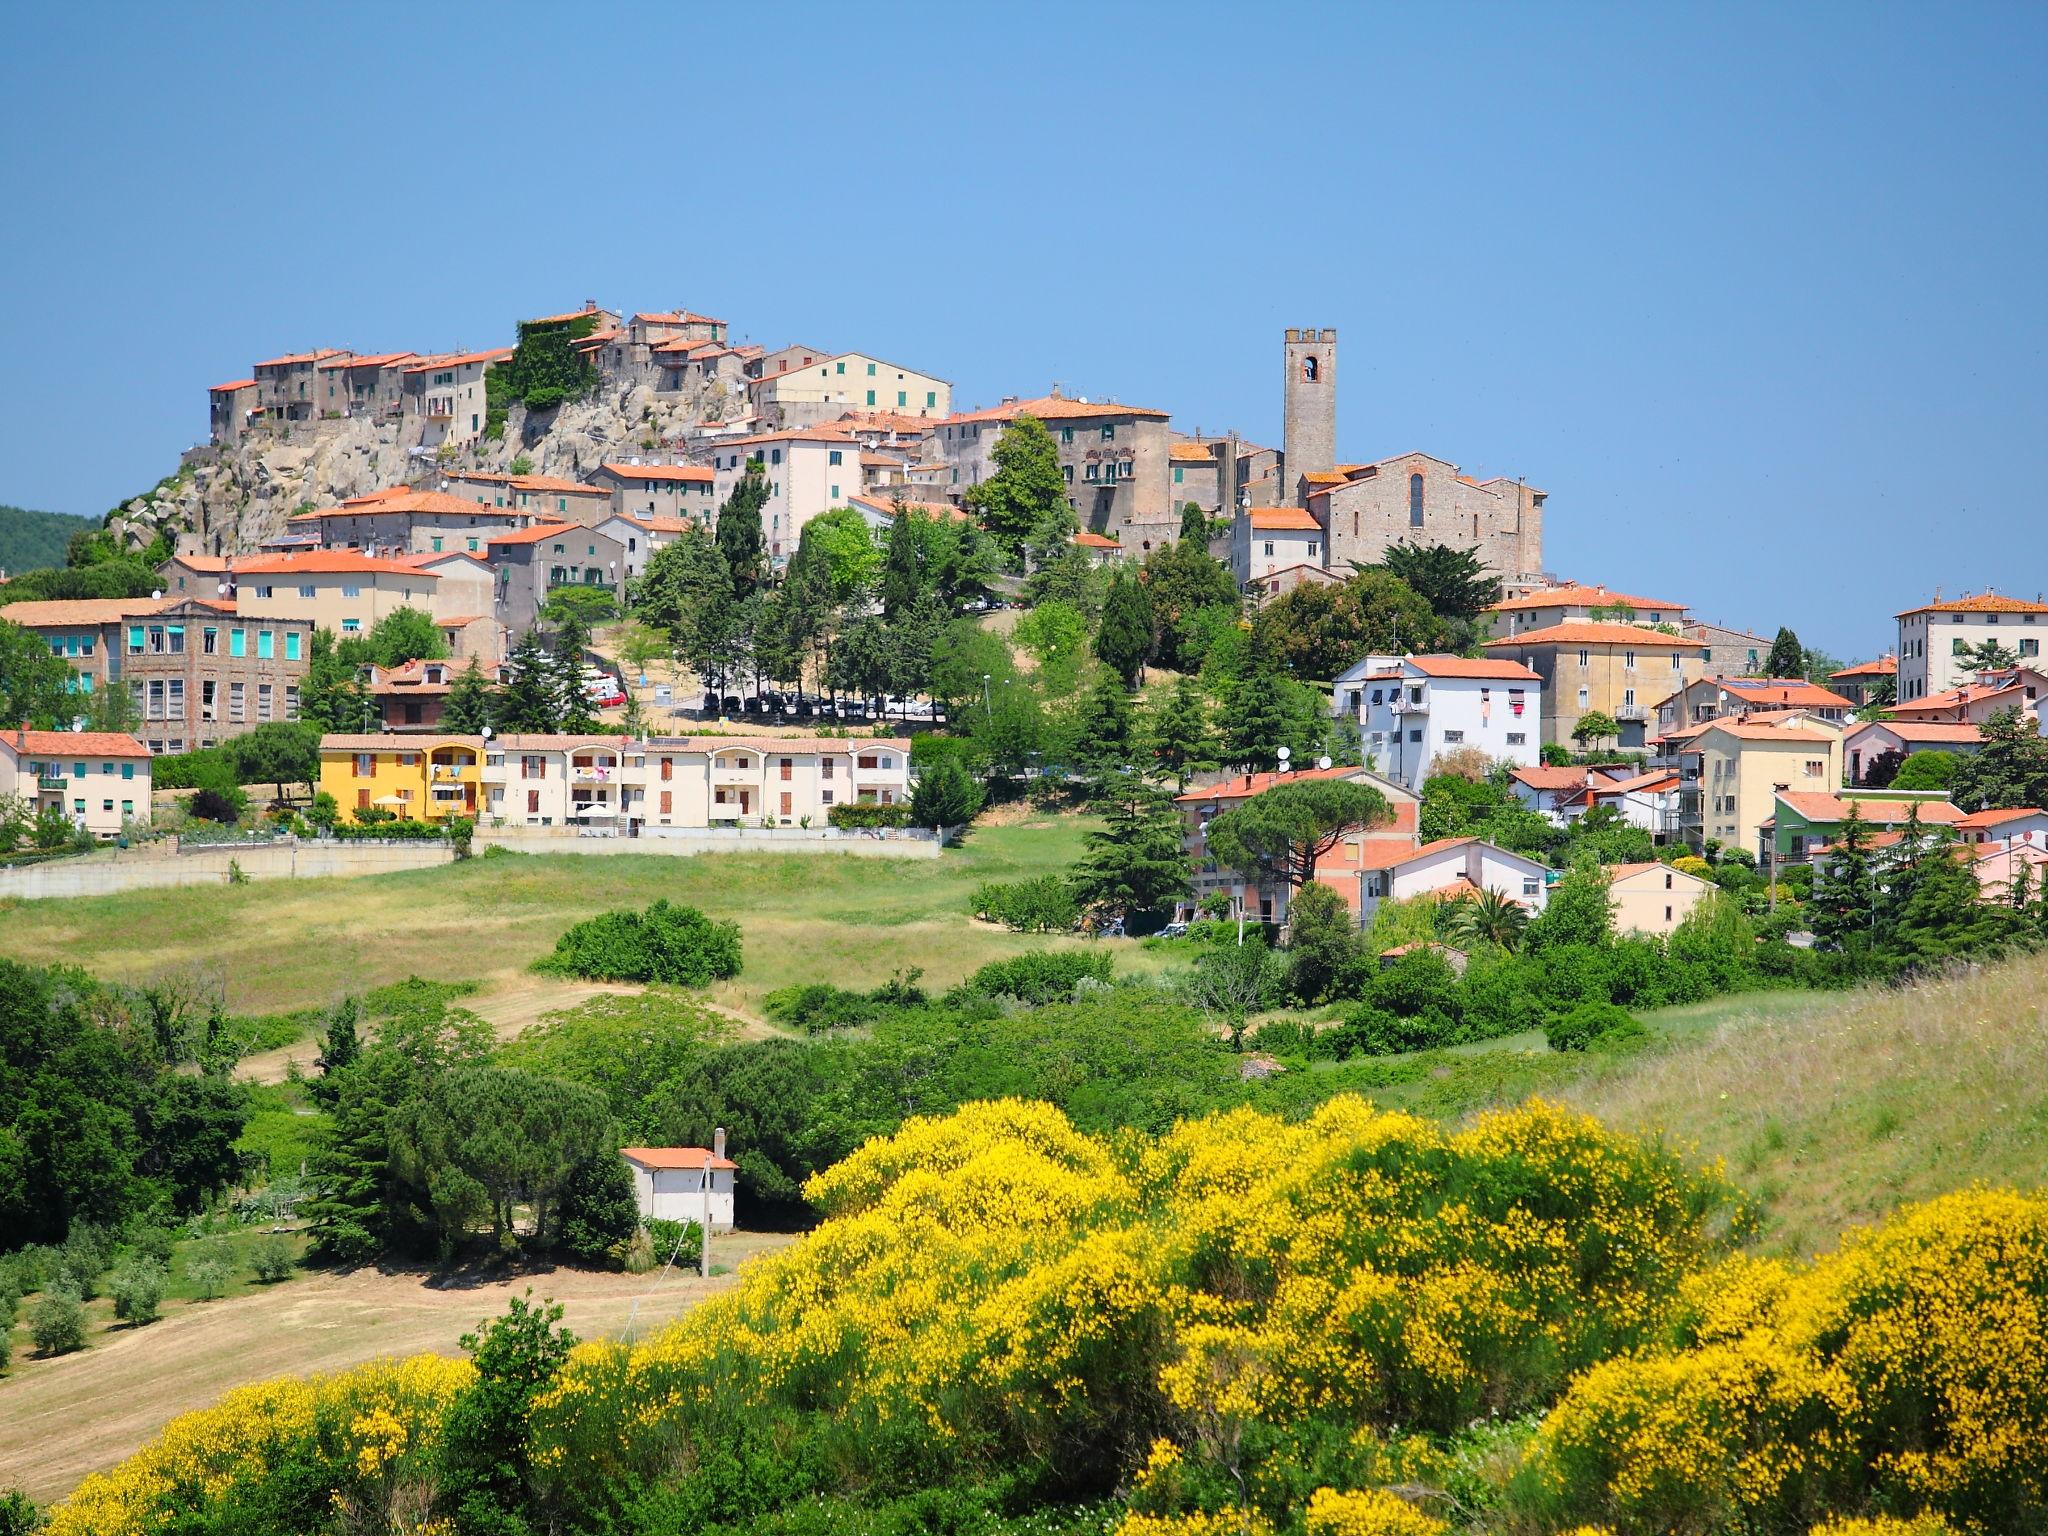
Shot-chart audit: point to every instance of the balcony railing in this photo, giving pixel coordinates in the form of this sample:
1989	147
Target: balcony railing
1411	706
1631	712
50	786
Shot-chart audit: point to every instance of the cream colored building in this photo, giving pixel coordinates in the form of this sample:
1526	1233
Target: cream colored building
442	398
1933	638
659	490
1555	605
1733	770
1267	540
821	388
337	589
809	470
569	501
1616	669
1654	898
99	780
642	787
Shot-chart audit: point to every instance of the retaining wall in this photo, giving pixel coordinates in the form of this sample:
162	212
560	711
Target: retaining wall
693	840
145	869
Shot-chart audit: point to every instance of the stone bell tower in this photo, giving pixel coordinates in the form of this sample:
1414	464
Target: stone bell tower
1309	404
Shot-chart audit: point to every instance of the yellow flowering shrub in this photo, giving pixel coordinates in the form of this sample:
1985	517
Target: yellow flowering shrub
1370	1512
1910	1367
361	1434
1885	1525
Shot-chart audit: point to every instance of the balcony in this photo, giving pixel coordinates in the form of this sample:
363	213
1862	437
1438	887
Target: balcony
1631	712
1411	706
50	786
593	773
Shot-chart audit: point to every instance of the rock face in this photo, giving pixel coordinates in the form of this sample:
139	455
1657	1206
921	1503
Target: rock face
226	500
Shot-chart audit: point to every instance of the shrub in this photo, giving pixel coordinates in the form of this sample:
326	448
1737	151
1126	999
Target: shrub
1047	977
1370	1030
677	1242
210	1277
675	944
221	805
1044	905
600	1210
1422	986
18	1513
818	1006
862	816
273	1261
138	1291
1591	1025
6	1330
57	1322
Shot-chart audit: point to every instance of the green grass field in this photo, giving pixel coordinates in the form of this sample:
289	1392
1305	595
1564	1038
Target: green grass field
280	945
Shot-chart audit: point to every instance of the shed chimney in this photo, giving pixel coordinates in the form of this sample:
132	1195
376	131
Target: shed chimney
718	1143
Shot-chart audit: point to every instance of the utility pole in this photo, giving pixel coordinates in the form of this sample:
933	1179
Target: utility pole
704	1232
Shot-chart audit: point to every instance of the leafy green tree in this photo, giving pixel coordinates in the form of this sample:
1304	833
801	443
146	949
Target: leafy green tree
600	1209
1024	503
1136	862
1057	636
35	686
405	634
1190	594
486	1456
1124	639
468	709
1451	581
1322	942
840	540
1594	725
1488	917
1071	577
1788	656
1579	912
687	589
530	700
1319	629
1285	831
969	665
1930	769
333	698
1879	771
588	605
1987	655
863	661
545	369
2008	771
277	753
739	534
1194	524
1177	729
945	796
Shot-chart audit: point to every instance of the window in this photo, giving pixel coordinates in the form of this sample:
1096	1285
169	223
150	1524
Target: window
1415	501
238	642
1454	737
127	770
1094	470
871	370
1415	734
825	768
1269	546
1676	664
785	803
1314	549
156	698
1628	659
1066	434
134	639
1667	886
351	626
1667	912
931	398
1585	697
533	766
871	397
1518	738
366	765
1628	698
902	398
835	456
266	591
1109	432
291	645
532	802
291	701
308	592
266	645
237	693
263	701
835	493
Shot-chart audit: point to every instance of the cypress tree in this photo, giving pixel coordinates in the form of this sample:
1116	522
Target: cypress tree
1125	638
739	529
469	702
528	702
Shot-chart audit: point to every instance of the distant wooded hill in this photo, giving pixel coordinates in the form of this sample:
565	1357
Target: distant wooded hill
29	540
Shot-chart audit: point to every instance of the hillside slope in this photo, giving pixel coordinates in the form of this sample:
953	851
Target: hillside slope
29	540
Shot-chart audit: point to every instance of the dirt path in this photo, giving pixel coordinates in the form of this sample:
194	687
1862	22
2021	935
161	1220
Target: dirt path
63	1419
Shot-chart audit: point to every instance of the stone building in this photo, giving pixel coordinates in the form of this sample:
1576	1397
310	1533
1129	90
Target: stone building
200	672
287	388
230	410
1309	402
1115	459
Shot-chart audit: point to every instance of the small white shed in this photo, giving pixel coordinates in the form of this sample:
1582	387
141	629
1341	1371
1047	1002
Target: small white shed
670	1182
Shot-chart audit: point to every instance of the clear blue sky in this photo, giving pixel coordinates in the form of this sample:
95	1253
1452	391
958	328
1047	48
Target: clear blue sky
1756	293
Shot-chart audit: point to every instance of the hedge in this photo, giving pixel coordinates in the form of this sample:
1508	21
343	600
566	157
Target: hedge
675	944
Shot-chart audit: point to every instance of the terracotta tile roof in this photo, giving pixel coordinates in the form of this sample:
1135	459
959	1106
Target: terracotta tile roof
1629	871
694	473
1955	698
881	461
683	346
322	562
1095	541
1294	519
481	476
534	534
826	432
1979	602
1642	783
376	360
675	1157
293	358
1795	693
1575	596
1595	632
426	741
74	743
1467	666
556	486
1544	776
420	559
676	317
1929	731
945	511
662	524
574	314
888	421
1244	785
1190	453
1817	805
94	610
232	385
459	359
1977	821
1055	408
400	500
1884	666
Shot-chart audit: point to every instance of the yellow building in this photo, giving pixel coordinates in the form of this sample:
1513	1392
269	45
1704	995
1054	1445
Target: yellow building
1607	667
338	589
419	777
1653	898
1742	767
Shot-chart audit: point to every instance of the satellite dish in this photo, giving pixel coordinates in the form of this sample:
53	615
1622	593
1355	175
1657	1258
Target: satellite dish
223	589
487	733
159	592
1285	753
1323	762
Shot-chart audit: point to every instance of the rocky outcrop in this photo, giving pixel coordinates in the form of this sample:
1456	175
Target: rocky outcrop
230	499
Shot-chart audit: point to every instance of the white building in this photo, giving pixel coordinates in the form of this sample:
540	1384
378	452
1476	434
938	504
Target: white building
1448	869
1267	540
1412	710
808	471
1935	637
670	1183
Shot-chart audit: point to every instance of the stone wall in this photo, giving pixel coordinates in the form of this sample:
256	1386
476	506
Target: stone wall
684	841
145	869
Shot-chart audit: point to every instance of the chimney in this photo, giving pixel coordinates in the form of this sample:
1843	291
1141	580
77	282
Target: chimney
718	1142
21	737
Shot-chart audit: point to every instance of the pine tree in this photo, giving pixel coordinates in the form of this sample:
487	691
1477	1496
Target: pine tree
528	702
739	529
351	1167
1843	904
572	704
1137	862
469	702
1105	740
903	564
1942	913
1125	638
945	796
1254	719
1178	730
1788	656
